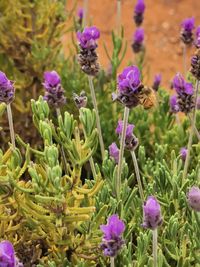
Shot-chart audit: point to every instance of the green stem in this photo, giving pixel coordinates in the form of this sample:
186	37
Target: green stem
193	122
137	175
61	147
112	262
195	128
121	151
10	121
92	167
94	101
155	241
184	60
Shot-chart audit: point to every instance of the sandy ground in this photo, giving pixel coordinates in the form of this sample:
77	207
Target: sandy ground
161	24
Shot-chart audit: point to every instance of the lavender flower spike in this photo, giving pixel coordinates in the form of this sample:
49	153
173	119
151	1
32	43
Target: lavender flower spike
131	142
129	87
186	31
7	91
114	152
152	213
87	57
112	239
7	255
193	198
185	91
183	153
139	12
80	14
157	81
129	129
138	40
54	94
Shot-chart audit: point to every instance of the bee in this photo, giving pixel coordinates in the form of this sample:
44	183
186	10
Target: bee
147	97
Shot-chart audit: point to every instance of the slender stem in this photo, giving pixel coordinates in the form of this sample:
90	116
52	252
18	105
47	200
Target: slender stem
184	59
97	116
61	147
10	121
187	160
121	151
118	16
85	13
195	128
112	262
137	175
155	241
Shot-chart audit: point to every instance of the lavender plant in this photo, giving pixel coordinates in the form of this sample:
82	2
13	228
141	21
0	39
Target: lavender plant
60	204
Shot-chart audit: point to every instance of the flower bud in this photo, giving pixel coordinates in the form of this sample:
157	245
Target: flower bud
193	198
152	213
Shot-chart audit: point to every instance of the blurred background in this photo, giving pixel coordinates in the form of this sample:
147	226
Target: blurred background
162	21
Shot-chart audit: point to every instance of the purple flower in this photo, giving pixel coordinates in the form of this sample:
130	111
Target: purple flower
174	107
112	239
80	13
51	79
183	153
87	39
139	36
152	213
157	81
181	86
139	12
114	152
129	79
193	198
7	91
139	7
186	31
7	255
54	94
197	41
129	129
198	31
188	24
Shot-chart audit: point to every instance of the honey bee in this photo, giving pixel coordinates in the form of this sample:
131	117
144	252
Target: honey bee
147	97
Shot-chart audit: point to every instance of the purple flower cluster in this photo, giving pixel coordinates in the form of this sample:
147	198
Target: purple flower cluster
138	40
7	91
54	94
131	142
183	153
195	61
112	236
186	31
129	87
193	198
184	101
157	82
174	107
197	41
7	255
139	12
88	57
152	213
87	38
114	152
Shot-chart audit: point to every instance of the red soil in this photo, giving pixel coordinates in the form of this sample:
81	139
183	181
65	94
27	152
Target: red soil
161	24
